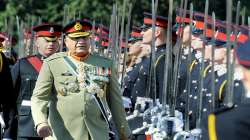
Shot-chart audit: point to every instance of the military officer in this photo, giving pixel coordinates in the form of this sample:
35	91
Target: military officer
232	123
24	75
78	86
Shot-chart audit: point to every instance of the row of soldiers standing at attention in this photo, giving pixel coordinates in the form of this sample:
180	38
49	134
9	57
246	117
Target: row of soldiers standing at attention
71	95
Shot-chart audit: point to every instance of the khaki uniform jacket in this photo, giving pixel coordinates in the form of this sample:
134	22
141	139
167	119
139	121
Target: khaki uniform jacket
74	114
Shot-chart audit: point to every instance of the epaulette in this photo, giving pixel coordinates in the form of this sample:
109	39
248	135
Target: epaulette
56	56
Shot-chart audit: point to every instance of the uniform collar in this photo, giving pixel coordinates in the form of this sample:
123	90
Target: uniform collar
161	47
79	58
40	56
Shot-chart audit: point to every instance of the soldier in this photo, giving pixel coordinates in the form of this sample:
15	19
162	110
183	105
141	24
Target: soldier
6	100
77	85
135	49
25	73
232	123
160	43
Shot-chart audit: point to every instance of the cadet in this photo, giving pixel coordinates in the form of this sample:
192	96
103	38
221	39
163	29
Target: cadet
25	73
233	123
160	43
77	85
135	49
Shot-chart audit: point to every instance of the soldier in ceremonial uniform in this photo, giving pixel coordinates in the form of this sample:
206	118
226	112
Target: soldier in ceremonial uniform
77	86
160	43
25	73
232	123
135	50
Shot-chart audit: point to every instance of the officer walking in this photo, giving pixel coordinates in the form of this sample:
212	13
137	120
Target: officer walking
77	86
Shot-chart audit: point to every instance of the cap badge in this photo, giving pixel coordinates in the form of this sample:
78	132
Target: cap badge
78	26
51	30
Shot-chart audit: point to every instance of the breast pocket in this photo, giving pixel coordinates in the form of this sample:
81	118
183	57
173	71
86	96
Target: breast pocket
28	85
66	84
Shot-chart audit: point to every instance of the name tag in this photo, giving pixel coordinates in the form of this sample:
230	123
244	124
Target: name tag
26	103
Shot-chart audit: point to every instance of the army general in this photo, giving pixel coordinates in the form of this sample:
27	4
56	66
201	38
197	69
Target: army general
76	87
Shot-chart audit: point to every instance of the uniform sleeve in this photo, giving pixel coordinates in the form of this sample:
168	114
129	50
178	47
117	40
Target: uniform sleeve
41	95
116	105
